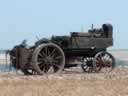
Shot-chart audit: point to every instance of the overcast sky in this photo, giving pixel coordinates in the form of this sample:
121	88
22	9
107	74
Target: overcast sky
26	19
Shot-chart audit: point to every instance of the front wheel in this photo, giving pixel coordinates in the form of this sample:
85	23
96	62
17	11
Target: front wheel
87	65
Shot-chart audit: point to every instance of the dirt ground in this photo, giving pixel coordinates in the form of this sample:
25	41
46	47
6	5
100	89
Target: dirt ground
66	84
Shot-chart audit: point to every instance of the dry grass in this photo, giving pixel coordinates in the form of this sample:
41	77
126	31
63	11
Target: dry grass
66	84
24	87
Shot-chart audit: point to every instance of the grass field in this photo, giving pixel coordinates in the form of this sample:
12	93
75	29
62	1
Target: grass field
64	88
69	84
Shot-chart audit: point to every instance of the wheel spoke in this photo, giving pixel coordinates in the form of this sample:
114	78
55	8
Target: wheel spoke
58	66
100	61
41	55
58	57
44	54
41	59
108	64
100	68
46	50
107	58
85	67
41	65
53	51
55	61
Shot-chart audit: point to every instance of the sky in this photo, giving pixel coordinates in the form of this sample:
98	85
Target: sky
29	19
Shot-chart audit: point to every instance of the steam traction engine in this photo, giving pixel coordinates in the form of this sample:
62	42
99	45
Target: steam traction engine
59	52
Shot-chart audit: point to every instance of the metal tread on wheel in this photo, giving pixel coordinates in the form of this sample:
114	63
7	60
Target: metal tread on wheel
103	62
48	57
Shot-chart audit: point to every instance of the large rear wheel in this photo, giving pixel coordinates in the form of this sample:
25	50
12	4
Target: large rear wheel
48	58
